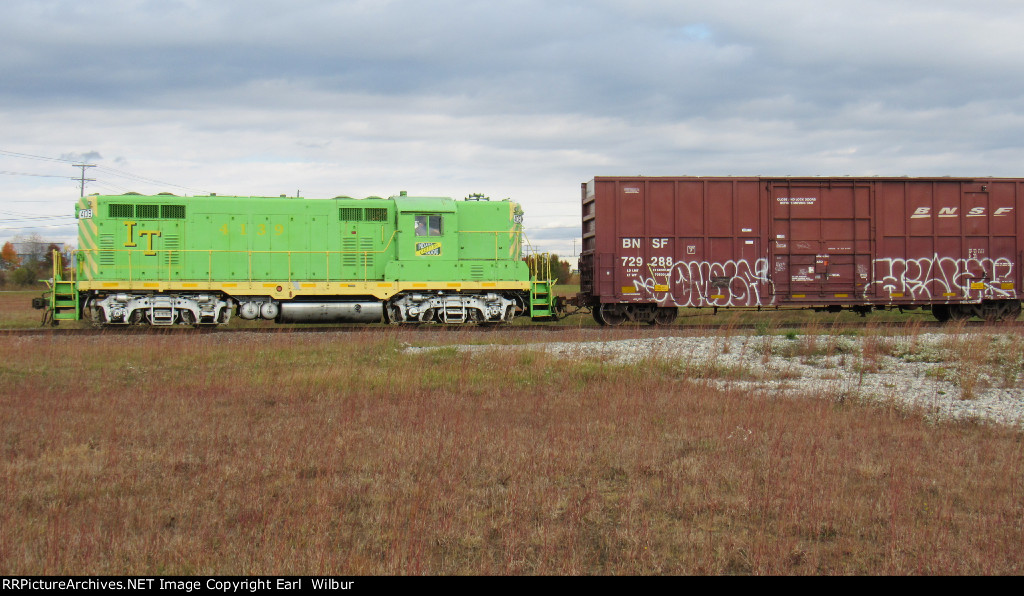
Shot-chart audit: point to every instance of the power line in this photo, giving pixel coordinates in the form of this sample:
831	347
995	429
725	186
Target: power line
107	184
27	219
38	175
68	225
130	176
40	157
47	217
82	179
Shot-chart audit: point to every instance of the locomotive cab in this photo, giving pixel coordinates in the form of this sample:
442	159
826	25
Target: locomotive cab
425	232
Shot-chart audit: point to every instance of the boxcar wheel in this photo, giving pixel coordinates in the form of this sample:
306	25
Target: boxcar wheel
612	315
665	316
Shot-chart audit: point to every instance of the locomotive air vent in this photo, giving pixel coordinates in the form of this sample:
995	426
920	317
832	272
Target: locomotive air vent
173	246
349	257
172	212
107	249
376	214
350	214
121	210
366	258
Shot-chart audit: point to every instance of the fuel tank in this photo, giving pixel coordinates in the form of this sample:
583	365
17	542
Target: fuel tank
330	312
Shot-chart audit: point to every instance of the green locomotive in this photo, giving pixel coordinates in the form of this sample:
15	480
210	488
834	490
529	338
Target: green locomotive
167	260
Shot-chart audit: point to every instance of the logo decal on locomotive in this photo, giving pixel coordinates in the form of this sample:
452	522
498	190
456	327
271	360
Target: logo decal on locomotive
130	243
424	249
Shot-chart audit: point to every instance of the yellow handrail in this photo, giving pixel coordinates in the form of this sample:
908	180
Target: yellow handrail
82	253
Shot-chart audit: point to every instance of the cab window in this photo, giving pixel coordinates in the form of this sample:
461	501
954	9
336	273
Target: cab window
428	225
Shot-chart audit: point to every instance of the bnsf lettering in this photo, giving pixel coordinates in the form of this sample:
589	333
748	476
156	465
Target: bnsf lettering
630	243
659	242
952	212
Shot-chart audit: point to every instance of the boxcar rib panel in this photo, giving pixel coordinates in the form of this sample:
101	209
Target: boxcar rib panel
774	241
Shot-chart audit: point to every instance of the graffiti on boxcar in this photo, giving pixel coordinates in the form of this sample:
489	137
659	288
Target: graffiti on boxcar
709	283
937	277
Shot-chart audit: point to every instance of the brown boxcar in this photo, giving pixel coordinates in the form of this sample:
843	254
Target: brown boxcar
651	245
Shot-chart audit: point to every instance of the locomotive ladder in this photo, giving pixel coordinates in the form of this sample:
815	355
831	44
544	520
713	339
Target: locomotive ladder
63	293
542	295
541	299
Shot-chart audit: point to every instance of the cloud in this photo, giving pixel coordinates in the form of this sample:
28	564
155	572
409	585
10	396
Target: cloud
524	98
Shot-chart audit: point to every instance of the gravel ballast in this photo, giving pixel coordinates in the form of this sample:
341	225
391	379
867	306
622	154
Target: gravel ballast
959	376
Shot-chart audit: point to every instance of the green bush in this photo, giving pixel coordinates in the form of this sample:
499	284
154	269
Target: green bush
25	276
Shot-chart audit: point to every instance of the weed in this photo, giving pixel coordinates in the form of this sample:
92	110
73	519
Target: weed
356	457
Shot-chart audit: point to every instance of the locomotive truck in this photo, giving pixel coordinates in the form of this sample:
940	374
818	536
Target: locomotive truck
168	260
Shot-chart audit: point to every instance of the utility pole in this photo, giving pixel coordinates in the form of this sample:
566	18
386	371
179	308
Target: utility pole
83	179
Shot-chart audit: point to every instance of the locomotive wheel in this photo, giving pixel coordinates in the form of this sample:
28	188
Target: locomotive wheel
941	312
611	315
665	315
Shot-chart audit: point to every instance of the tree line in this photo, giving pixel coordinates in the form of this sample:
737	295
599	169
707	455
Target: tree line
544	264
33	264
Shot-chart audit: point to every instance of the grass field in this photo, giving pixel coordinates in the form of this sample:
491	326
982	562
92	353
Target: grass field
323	453
16	309
341	453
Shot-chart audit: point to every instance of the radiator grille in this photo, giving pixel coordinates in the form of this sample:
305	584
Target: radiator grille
107	249
350	214
120	210
147	211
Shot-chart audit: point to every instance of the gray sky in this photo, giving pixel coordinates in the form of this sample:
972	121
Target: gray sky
521	99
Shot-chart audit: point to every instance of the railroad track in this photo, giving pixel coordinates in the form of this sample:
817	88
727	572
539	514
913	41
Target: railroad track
684	328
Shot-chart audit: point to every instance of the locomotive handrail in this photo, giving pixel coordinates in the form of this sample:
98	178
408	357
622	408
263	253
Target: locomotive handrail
170	264
249	255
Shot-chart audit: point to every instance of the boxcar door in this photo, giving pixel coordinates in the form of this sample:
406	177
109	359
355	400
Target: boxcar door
820	239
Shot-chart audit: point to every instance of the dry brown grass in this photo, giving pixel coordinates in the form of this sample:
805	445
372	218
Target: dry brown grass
16	308
312	453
